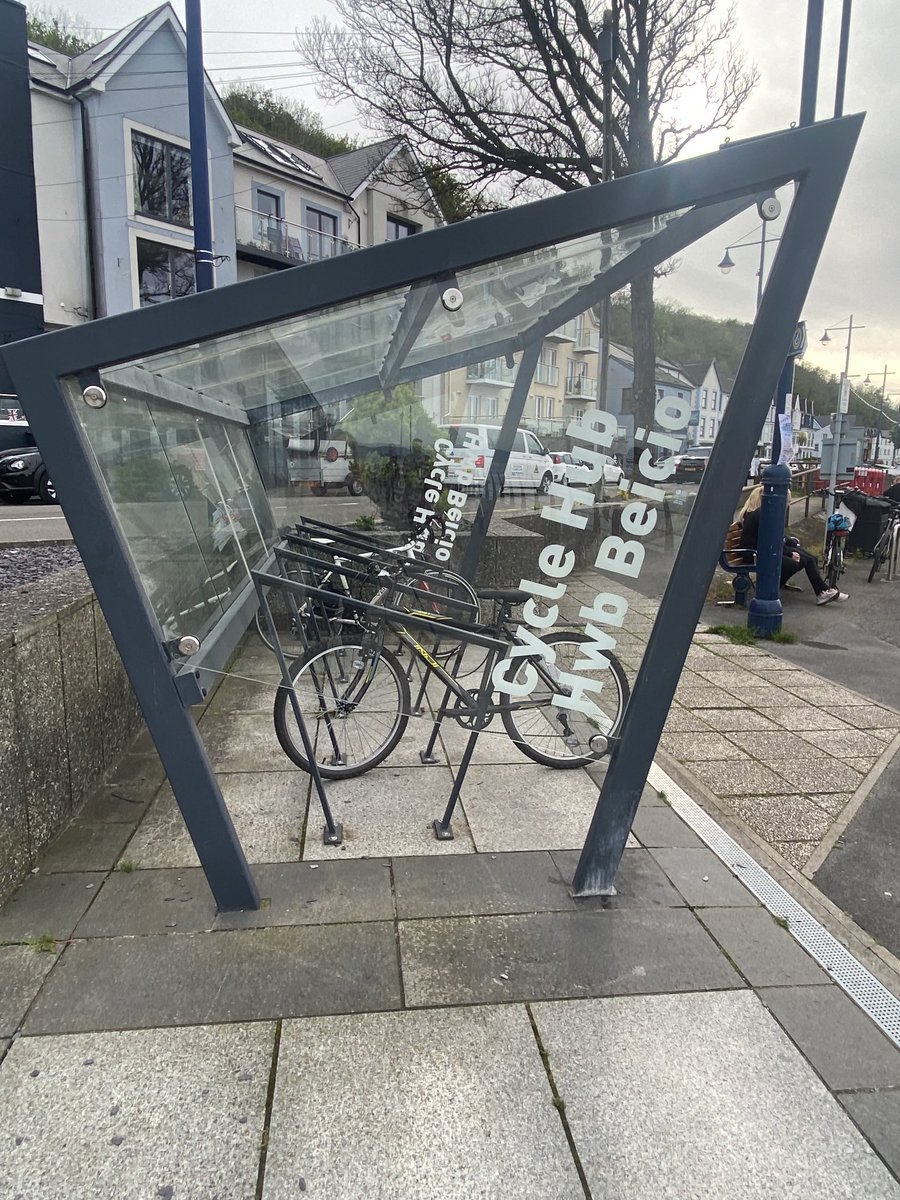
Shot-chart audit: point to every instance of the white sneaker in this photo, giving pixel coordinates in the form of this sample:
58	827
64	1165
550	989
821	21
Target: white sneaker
828	595
842	596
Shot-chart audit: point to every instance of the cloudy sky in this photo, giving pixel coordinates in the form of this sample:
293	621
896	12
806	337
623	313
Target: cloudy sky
858	271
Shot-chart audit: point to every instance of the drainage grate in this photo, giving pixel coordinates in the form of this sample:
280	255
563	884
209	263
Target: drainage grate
860	985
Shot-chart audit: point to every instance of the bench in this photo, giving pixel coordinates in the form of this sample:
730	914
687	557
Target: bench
732	560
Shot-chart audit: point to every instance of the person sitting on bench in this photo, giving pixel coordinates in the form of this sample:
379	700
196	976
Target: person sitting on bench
793	558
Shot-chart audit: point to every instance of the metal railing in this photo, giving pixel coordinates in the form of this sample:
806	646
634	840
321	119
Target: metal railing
546	374
580	385
295	243
494	371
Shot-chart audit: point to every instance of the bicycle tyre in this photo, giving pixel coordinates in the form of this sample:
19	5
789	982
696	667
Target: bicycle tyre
834	565
534	732
879	554
380	723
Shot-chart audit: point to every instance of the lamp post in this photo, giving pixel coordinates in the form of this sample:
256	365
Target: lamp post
727	264
843	397
884	378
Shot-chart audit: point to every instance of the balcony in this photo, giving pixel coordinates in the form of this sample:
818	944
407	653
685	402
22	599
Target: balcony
565	333
494	371
580	387
588	339
272	241
545	374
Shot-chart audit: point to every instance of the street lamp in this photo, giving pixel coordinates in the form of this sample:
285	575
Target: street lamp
884	379
727	263
843	395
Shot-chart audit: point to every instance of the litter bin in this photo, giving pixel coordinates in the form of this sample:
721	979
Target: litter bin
869	525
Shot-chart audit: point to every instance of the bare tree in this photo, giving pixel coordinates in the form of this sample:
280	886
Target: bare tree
509	92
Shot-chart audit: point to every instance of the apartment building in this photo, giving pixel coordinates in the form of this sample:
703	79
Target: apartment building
112	172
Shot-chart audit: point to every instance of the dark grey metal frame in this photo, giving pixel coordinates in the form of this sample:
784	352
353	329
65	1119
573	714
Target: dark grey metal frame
816	158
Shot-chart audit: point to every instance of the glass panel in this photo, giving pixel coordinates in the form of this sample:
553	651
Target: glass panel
164	272
149	176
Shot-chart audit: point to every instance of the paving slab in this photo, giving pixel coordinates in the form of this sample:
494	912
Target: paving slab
740	778
388	811
833	803
703	697
22	971
121	1116
783	818
797	854
682	720
268	810
451	1104
106	804
842	1043
157	901
799	717
236	694
871	717
136	776
47	904
86	846
763	951
672	1097
772	747
824	776
494	744
702	878
690	747
243	742
246	975
478	885
662	827
851	744
640	882
728	720
878	1116
487	960
528	807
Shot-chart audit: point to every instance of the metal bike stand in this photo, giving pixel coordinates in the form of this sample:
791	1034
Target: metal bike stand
333	833
442	828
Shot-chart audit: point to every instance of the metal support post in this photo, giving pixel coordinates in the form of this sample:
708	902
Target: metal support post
196	86
812	53
764	612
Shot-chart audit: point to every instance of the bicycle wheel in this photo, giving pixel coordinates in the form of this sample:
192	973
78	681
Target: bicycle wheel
879	554
554	734
834	564
355	704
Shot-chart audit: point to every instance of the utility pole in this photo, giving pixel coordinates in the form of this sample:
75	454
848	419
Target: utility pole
607	48
196	84
21	301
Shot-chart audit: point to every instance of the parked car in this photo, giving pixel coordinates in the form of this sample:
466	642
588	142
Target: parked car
328	466
529	466
691	463
567	469
22	471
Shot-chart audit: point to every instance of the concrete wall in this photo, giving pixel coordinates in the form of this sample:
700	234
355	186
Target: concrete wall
67	713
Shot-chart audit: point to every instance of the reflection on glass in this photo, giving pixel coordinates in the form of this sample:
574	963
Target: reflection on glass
189	501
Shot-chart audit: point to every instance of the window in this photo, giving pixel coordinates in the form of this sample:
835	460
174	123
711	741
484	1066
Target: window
472	407
704	394
269	225
490	406
164	272
162	179
578	413
322	233
703	426
400	229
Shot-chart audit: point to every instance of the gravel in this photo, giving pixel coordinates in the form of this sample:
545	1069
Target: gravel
28	564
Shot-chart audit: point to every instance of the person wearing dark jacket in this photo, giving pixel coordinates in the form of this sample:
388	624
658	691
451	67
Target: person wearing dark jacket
793	558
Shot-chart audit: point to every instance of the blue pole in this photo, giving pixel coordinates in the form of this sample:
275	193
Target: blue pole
764	612
196	82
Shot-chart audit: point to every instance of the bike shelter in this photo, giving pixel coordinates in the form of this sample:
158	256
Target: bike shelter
178	438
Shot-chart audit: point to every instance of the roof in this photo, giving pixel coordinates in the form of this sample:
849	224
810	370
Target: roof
101	62
697	372
354	168
272	152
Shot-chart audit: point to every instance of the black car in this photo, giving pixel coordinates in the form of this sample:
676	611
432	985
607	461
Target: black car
691	463
22	470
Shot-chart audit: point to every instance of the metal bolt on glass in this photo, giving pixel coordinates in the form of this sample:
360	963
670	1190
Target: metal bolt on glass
94	396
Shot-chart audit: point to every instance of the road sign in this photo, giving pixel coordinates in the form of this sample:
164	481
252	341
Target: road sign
798	342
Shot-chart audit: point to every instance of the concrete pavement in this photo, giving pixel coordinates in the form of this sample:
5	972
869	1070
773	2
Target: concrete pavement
419	1019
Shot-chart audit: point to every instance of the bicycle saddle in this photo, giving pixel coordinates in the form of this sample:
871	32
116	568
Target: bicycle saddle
511	596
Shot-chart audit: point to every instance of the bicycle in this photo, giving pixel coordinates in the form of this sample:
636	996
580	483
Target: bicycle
337	547
885	546
355	696
839	525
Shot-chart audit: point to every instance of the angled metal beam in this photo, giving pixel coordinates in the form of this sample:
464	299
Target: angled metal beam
662	663
138	381
416	311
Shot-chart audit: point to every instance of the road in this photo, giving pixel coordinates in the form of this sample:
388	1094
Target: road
35	522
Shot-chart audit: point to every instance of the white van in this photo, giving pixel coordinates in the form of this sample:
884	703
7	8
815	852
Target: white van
530	467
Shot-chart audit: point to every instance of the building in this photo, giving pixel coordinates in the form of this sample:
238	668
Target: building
112	172
710	399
